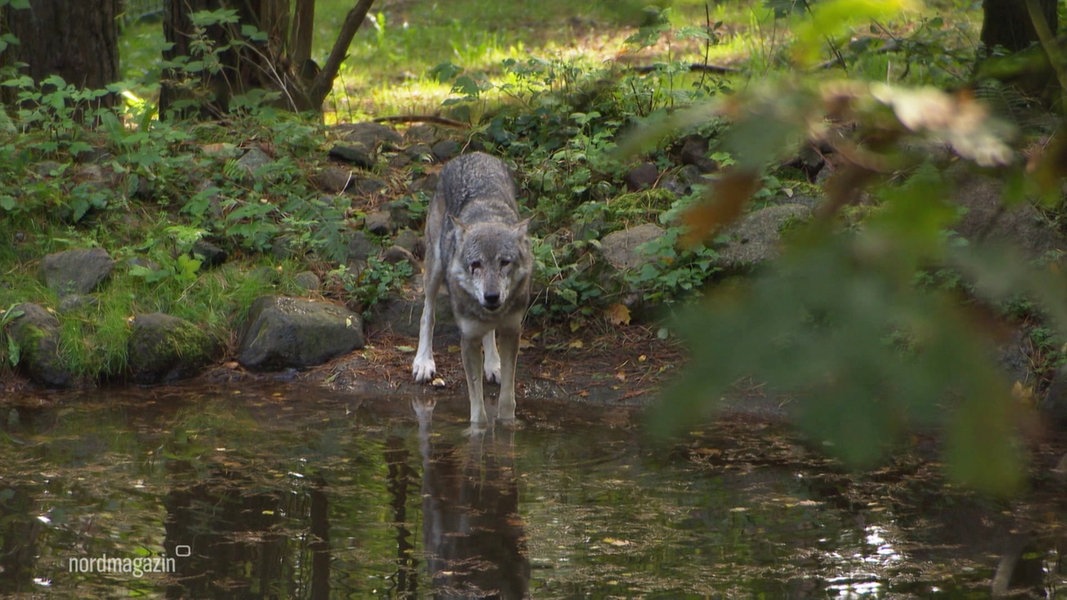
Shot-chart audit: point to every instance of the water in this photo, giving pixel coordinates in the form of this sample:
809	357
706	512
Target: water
295	492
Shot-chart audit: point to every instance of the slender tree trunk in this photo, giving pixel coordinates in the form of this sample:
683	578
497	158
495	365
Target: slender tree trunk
76	40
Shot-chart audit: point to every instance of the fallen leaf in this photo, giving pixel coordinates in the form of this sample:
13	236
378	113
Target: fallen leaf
617	314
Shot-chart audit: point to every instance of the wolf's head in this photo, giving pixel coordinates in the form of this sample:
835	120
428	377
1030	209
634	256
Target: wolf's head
492	262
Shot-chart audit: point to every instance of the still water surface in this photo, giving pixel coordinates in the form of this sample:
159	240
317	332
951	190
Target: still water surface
289	491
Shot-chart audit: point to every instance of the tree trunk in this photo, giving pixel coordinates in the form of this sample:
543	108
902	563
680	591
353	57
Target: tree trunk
279	62
76	40
1007	23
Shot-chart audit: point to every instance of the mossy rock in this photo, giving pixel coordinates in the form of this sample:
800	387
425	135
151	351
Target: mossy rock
163	348
36	334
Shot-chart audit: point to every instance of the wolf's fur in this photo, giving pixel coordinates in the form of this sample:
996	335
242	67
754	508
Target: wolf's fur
477	246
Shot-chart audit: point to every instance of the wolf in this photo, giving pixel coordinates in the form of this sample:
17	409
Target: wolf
479	248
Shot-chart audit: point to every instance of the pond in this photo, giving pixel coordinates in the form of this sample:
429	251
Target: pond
291	491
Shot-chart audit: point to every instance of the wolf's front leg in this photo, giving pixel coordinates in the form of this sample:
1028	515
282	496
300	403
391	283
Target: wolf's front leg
424	367
491	359
508	340
472	368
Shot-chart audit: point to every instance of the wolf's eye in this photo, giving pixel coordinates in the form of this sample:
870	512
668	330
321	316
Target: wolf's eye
475	265
504	263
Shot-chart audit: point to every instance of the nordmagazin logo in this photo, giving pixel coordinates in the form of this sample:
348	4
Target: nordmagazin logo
136	566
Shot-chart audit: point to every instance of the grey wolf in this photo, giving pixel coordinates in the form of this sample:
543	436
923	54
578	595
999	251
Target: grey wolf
478	247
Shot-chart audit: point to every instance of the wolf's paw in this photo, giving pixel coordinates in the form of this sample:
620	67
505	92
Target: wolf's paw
423	369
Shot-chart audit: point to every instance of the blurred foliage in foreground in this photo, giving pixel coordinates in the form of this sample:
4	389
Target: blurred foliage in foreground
840	325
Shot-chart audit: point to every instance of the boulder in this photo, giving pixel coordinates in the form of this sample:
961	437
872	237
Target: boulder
163	348
620	248
253	160
641	177
209	254
76	271
36	334
987	219
756	238
283	332
370	135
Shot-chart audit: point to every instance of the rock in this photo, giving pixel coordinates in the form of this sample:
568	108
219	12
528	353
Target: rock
395	254
643	176
420	133
409	240
252	160
332	179
163	348
445	150
420	153
367	186
621	247
694	152
987	219
360	247
356	155
1054	405
36	333
308	281
379	222
755	239
209	254
401	316
283	332
370	135
76	271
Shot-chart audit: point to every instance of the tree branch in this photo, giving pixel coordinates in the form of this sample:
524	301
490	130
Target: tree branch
323	82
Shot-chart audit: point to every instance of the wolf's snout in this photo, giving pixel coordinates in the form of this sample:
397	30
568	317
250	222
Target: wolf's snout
491	299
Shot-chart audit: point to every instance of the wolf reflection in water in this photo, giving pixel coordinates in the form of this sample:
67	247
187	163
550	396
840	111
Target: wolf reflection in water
474	539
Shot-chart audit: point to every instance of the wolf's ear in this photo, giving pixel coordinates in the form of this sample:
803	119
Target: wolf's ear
522	227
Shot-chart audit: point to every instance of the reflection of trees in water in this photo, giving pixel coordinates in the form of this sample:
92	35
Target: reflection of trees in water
474	537
18	539
239	548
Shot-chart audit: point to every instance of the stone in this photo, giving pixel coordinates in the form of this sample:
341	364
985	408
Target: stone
395	254
355	155
164	348
445	150
209	254
283	332
420	153
694	152
1054	404
253	159
641	177
756	238
76	271
332	179
307	280
367	186
36	334
620	248
379	222
410	240
987	219
361	247
370	135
